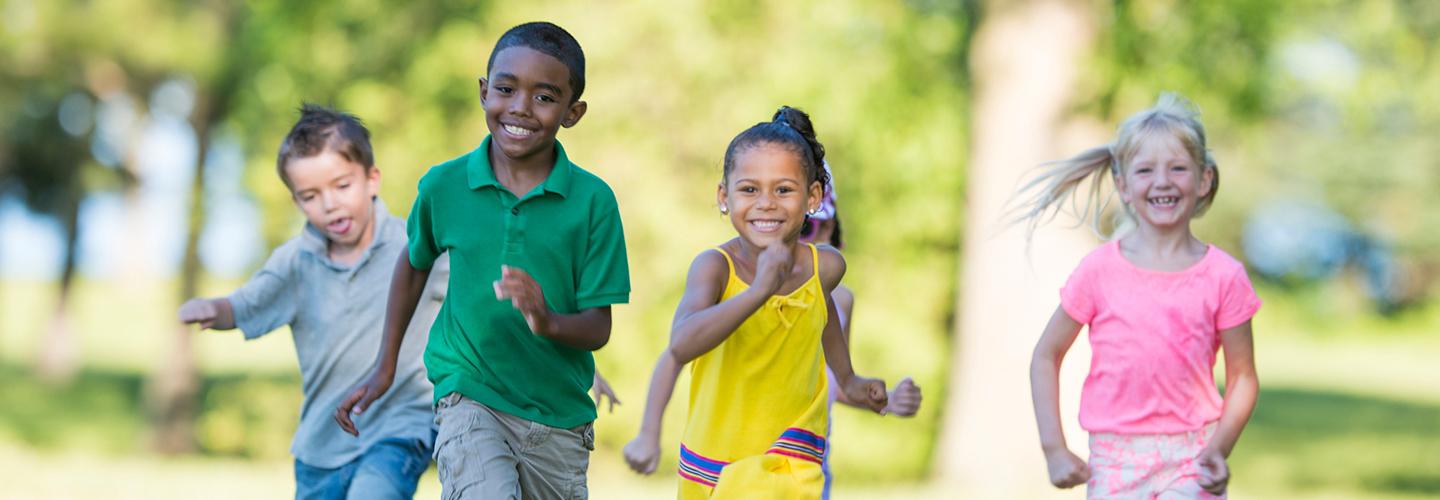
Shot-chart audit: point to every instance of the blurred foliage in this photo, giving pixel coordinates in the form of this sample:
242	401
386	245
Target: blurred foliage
1319	99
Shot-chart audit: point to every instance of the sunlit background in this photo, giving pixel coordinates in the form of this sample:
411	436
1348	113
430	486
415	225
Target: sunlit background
137	169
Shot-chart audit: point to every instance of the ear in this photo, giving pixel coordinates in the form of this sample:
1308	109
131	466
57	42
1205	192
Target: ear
1207	181
484	90
722	199
817	194
573	115
1120	185
372	180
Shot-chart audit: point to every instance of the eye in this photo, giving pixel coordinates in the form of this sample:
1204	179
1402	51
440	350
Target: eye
544	98
747	189
344	185
785	189
504	90
1142	170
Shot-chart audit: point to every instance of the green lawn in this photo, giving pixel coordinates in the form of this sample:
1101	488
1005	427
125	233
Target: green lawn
1349	409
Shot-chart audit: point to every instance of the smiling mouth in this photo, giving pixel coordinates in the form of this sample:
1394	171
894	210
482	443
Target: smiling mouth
518	131
1163	201
765	226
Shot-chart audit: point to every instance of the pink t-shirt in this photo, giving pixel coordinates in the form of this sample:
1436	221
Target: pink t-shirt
1153	338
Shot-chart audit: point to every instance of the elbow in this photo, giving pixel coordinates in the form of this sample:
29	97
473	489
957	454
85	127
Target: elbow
600	340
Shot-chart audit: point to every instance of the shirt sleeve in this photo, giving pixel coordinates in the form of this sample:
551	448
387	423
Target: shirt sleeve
420	228
267	301
605	277
1238	301
1077	297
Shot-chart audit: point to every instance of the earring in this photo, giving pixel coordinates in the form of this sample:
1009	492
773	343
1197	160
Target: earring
724	210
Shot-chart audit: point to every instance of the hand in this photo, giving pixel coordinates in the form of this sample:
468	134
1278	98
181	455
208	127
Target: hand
601	390
1214	473
361	397
1066	469
643	454
867	392
202	311
904	399
773	266
525	294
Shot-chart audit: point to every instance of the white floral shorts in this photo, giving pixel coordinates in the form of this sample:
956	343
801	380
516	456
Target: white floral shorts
1147	466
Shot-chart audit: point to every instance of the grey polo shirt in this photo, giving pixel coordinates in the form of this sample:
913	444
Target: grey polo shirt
336	315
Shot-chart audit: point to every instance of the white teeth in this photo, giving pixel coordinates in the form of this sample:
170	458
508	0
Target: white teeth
517	130
765	223
1164	200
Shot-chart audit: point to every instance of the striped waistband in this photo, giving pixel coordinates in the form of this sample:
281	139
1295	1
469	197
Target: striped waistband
794	442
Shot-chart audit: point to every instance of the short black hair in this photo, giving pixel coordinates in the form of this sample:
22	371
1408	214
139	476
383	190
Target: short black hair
790	127
320	129
551	40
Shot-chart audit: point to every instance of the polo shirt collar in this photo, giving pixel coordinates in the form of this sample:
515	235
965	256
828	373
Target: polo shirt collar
479	173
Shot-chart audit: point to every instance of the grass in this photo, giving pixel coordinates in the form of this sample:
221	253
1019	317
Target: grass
1349	408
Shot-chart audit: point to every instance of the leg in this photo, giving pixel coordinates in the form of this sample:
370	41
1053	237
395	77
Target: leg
314	483
472	452
553	461
390	469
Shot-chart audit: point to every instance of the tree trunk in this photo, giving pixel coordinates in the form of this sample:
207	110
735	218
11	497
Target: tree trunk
1025	61
59	352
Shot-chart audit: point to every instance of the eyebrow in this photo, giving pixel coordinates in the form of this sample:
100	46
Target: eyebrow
544	85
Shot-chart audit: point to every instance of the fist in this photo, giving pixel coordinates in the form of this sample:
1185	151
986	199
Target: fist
868	392
904	399
642	455
1066	469
773	266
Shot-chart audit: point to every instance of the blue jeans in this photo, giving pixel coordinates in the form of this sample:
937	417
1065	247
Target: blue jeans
389	469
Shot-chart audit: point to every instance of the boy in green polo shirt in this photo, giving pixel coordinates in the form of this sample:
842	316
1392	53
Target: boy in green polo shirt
537	257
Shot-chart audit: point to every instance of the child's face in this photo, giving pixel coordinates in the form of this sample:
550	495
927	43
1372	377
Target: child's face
1163	183
335	194
527	99
767	195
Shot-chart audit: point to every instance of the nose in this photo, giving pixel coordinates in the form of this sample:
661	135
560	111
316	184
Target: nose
766	200
327	200
1164	180
519	105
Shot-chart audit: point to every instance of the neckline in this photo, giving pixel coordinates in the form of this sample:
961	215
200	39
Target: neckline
1210	251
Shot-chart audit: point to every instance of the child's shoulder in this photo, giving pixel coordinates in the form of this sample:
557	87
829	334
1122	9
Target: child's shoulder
832	265
1223	261
585	181
450	172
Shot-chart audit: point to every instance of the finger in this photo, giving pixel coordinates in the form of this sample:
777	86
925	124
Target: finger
499	292
612	405
207	324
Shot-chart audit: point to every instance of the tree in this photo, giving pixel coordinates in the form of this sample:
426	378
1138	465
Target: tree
1025	66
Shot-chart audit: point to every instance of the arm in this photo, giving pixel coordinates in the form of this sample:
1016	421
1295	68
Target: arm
858	391
703	287
643	452
1242	387
1066	469
215	314
406	288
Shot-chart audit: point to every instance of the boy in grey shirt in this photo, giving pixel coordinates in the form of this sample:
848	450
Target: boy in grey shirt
329	284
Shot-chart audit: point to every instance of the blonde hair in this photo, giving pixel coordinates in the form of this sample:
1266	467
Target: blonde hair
1046	195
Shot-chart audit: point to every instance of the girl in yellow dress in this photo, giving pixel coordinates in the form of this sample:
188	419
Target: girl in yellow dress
755	315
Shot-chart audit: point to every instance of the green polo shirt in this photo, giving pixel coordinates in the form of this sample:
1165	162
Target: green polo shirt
566	233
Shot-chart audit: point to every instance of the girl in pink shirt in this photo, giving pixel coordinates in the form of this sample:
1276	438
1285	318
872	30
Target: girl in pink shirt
1159	304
